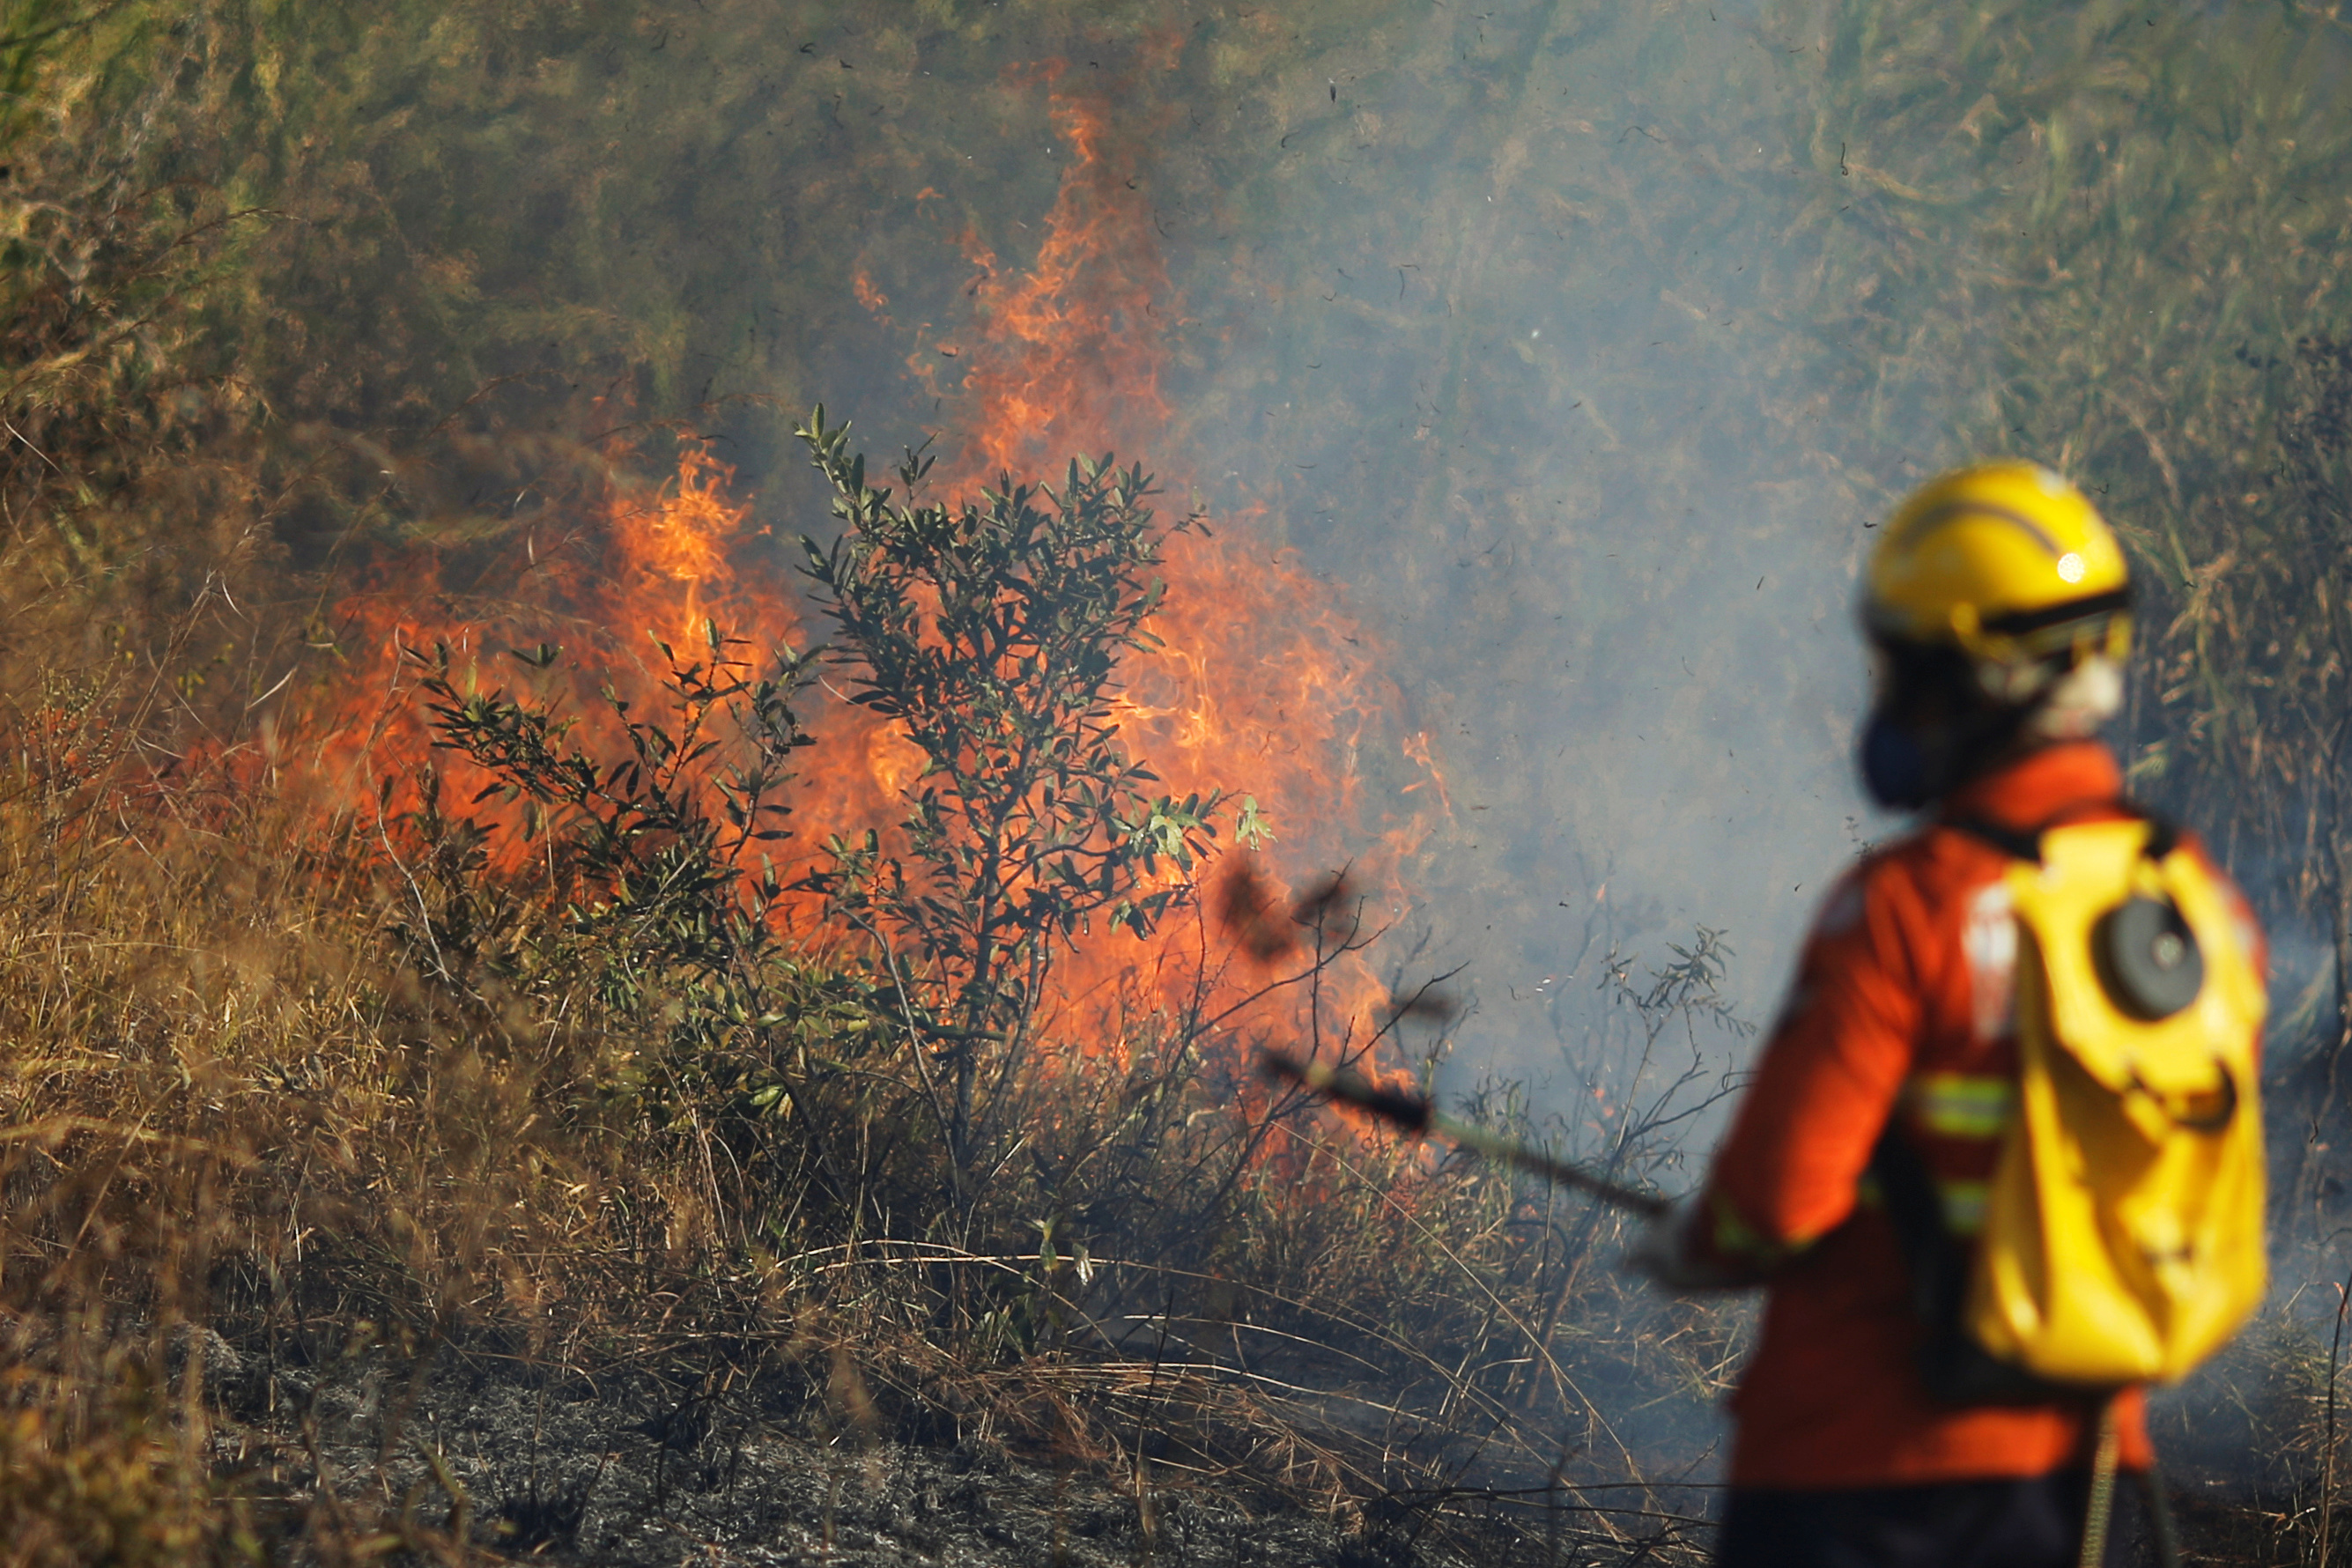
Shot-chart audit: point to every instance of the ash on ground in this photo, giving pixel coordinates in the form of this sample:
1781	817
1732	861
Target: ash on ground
524	1464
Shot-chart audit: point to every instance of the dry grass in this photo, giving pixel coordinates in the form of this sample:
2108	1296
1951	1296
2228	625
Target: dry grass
245	1126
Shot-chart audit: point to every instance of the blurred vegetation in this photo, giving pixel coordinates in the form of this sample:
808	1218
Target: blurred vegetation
296	299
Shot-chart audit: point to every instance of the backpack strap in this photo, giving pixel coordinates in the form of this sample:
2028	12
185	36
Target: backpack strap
2025	842
1955	1368
2163	833
1933	1256
2017	842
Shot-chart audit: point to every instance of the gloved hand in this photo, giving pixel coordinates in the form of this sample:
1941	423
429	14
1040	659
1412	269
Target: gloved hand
1670	1252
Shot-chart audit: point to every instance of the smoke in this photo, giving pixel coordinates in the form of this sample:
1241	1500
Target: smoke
1477	325
1569	355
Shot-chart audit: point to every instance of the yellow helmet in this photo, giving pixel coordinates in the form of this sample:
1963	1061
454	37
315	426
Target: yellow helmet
2006	561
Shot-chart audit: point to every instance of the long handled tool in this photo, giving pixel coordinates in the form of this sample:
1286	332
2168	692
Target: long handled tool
1412	1113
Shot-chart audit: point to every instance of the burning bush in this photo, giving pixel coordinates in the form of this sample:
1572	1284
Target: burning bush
991	632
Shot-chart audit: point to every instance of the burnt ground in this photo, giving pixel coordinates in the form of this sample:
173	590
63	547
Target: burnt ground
622	1471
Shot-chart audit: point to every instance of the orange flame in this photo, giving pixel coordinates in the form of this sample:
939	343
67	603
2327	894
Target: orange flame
1264	685
1073	349
677	544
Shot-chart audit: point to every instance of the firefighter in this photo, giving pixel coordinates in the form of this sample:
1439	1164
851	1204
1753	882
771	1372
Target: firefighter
1997	610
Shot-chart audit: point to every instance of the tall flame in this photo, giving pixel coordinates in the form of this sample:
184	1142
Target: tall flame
1265	684
1072	350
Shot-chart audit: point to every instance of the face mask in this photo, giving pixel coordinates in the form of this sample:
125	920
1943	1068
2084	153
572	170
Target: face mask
1905	766
1900	770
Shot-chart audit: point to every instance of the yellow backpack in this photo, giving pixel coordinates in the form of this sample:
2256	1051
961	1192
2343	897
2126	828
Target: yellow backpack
2123	1233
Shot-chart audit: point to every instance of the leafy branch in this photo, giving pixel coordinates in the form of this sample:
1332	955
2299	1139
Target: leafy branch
991	631
653	845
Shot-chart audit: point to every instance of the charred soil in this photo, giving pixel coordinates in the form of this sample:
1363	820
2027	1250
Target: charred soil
473	1457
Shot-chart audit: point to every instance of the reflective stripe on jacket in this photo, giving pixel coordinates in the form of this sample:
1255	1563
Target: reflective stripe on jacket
1902	1006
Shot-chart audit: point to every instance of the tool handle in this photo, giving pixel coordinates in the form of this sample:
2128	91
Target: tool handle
1414	1114
1409	1112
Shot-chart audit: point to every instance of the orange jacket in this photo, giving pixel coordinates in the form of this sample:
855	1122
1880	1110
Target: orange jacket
1901	1005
